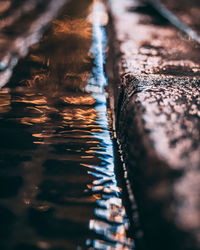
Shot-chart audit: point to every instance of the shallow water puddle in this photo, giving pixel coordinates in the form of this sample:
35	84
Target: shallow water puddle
58	187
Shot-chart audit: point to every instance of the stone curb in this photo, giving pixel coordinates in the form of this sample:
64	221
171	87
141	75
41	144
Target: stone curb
155	100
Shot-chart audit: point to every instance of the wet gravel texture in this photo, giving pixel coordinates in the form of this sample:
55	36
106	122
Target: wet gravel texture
155	90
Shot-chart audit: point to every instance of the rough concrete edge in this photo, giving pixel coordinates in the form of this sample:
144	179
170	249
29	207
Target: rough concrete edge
116	95
112	70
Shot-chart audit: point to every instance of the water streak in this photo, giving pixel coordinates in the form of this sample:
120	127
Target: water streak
57	152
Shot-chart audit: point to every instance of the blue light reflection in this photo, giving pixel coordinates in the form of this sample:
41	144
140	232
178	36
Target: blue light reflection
110	218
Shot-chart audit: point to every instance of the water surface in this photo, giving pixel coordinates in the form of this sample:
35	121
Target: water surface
57	182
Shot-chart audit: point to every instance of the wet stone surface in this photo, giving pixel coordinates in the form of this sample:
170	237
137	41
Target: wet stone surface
58	188
22	24
155	89
187	11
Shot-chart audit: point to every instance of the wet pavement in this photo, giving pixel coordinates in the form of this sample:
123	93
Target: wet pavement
154	84
184	15
58	188
58	184
187	11
22	24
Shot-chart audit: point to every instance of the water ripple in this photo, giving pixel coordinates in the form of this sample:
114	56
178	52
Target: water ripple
57	141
